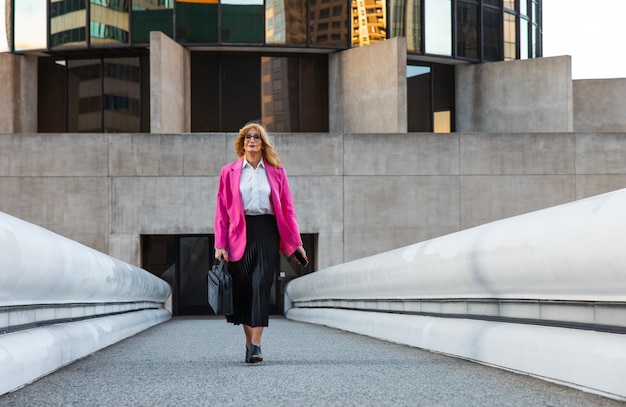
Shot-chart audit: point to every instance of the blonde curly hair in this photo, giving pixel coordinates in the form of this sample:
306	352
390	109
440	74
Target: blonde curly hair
270	155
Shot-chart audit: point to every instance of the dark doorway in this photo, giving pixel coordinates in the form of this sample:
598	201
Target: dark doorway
183	261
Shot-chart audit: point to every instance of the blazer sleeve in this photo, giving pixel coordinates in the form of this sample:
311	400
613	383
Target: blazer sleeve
221	210
286	215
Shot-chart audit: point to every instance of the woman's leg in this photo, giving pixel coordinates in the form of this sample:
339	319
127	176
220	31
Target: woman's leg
247	330
256	333
255	344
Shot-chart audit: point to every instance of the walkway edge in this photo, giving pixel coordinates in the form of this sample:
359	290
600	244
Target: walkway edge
591	361
26	356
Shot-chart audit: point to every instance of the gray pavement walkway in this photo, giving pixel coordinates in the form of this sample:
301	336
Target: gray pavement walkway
200	362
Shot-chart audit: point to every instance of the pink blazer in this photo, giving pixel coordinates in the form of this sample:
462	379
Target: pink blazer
230	221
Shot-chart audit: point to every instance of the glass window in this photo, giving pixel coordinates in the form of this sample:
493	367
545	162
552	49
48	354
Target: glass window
121	99
467	30
240	84
196	21
493	2
492	50
313	93
406	22
151	15
334	12
84	95
51	96
442	122
280	110
534	46
93	95
369	22
285	22
205	92
68	22
31	22
523	39
443	87
510	37
509	4
243	21
523	7
5	27
109	22
418	84
438	33
195	255
287	93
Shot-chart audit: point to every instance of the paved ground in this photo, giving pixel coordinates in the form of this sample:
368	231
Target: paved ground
200	362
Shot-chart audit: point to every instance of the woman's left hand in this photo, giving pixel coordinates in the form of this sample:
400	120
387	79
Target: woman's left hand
301	250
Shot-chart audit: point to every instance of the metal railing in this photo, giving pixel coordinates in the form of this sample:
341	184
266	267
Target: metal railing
546	285
61	300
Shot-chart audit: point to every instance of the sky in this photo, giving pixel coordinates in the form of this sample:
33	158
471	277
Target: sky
592	32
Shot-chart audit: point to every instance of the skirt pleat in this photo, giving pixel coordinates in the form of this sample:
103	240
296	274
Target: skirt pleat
253	275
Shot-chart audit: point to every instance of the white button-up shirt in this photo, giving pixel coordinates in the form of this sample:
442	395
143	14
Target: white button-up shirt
255	189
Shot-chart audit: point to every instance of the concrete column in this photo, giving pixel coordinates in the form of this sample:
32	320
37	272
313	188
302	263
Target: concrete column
366	95
533	95
18	99
170	86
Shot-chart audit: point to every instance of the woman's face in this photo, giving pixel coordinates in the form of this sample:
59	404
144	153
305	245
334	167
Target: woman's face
252	142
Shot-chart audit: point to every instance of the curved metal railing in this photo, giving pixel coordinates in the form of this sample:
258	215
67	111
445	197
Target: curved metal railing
553	271
61	300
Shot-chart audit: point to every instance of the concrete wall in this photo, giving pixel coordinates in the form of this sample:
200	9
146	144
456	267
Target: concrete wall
18	98
600	105
533	95
367	88
58	181
362	193
170	85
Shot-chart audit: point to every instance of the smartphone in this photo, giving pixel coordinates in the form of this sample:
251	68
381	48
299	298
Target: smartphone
304	262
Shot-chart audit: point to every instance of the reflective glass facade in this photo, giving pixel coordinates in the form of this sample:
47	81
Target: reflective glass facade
288	93
329	23
29	28
67	23
5	15
109	22
481	30
286	22
282	43
93	95
406	21
151	15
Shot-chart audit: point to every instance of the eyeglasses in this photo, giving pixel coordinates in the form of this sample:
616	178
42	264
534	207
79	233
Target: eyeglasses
250	137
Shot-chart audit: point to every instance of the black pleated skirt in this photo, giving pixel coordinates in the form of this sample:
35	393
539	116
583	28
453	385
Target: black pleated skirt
254	273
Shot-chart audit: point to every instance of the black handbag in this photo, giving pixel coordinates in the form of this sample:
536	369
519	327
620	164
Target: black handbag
221	289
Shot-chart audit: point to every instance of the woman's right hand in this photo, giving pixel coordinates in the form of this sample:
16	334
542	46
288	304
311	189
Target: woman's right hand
219	253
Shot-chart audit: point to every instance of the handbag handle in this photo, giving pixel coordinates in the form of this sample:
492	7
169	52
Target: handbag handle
221	263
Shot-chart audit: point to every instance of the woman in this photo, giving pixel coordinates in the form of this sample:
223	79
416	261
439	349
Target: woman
255	219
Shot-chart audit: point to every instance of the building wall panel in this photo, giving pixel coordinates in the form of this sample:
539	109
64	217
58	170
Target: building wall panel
362	194
599	105
533	95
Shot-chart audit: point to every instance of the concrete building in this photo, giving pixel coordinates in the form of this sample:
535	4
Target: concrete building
116	117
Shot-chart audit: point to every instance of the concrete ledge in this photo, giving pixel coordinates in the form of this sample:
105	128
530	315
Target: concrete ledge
28	355
591	361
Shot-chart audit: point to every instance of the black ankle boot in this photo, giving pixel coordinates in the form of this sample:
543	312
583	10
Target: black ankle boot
255	353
